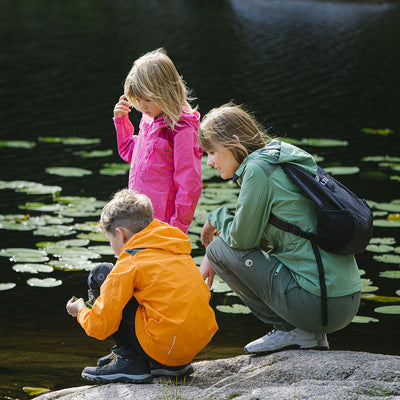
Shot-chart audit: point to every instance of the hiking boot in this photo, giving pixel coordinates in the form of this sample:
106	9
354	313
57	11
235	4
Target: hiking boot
120	369
296	338
101	362
157	369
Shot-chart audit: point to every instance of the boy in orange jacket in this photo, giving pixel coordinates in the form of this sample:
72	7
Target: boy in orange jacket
154	301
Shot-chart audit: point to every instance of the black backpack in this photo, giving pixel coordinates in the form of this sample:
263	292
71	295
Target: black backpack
344	221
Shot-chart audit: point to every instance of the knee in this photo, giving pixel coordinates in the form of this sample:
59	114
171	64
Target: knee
99	274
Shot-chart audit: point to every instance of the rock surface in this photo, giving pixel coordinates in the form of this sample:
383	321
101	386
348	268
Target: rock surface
287	375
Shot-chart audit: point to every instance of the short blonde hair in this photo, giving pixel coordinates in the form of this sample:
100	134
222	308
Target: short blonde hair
227	123
153	76
127	208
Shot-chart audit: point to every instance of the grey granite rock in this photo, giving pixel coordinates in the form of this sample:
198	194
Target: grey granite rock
287	375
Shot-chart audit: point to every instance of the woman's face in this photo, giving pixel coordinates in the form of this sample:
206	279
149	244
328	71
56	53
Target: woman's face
222	159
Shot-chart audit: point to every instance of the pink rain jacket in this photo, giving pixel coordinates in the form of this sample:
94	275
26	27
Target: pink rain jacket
165	165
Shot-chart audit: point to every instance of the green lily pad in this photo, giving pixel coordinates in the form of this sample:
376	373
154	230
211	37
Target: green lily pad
45	283
40	189
103	250
32	268
392	207
220	287
7	286
322	142
388	258
17	144
63	243
366	286
77	211
343	170
68	171
54	231
382	248
75	252
72	264
79	201
89	226
93	236
234	309
381	159
13	226
388	310
114	169
381	299
382	132
24	255
69	140
40	207
94	153
390	274
384	223
384	240
49	220
398	292
359	319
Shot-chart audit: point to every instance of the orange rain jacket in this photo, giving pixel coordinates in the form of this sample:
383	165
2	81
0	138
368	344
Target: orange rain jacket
174	320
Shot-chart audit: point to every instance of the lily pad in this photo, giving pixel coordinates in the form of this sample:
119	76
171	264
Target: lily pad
45	283
384	223
388	310
94	153
32	268
384	240
343	170
75	253
390	274
359	319
40	189
321	142
382	132
7	286
69	140
381	159
68	171
382	248
234	309
392	207
49	220
40	207
114	169
17	144
89	226
93	236
72	264
366	286
24	255
13	226
388	258
63	243
103	250
54	231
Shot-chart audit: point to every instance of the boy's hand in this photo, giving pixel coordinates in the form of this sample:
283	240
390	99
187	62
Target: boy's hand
207	234
207	272
74	306
122	108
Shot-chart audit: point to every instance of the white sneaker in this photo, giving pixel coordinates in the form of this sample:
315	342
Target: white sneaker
277	340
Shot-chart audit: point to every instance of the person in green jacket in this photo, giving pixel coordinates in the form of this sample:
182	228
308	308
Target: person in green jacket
273	272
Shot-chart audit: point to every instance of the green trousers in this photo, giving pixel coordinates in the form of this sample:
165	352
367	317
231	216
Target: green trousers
268	288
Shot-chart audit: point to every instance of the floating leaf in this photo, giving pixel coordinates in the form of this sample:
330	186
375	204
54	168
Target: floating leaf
90	226
38	188
7	286
54	230
69	140
388	310
103	250
390	207
220	287
384	223
24	255
234	309
323	142
72	264
13	226
33	391
68	171
382	132
63	243
94	153
382	248
343	170
32	268
49	220
18	144
388	258
384	240
390	274
47	282
95	237
40	207
366	286
359	319
75	252
113	169
381	159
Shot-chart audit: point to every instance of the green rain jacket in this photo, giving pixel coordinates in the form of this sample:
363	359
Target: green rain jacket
266	189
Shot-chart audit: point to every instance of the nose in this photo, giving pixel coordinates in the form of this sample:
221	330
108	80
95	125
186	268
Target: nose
210	161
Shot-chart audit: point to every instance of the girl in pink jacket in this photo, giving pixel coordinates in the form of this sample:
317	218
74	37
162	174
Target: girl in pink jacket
165	156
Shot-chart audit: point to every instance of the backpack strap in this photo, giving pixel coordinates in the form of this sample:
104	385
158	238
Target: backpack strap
295	230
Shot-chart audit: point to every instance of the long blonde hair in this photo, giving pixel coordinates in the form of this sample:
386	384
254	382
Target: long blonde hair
153	76
228	123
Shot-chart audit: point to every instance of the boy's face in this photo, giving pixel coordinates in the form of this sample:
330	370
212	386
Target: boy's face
116	241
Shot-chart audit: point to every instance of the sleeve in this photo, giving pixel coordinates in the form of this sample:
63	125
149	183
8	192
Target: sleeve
245	228
187	177
125	137
105	316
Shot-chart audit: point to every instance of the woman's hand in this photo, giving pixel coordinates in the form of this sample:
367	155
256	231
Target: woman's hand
74	306
207	272
207	234
122	108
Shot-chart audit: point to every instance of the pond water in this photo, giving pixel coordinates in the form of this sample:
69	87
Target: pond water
308	69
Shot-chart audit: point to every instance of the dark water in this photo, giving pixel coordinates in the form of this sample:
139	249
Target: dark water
306	68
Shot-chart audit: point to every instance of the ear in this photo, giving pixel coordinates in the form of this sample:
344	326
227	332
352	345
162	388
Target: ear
123	233
236	138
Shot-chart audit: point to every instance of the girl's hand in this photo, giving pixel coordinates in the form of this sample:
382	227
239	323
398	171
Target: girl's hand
207	272
122	108
74	306
207	234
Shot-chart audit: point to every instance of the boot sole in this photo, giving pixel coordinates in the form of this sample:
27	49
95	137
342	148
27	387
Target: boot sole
290	347
144	378
167	372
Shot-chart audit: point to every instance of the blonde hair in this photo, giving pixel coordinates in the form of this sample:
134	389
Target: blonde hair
153	76
228	123
127	208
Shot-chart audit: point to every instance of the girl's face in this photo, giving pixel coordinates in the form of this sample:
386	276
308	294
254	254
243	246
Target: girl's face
222	159
149	108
